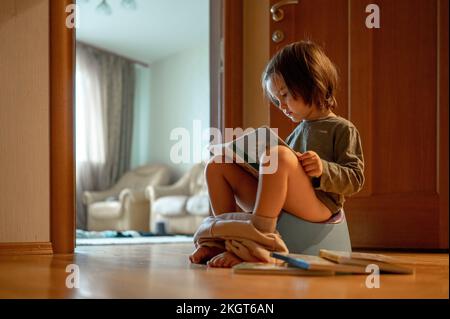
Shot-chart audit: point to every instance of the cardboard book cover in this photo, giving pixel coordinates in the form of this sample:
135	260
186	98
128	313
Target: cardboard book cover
277	269
247	149
386	264
316	263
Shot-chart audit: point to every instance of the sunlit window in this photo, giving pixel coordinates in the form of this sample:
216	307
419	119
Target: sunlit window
89	129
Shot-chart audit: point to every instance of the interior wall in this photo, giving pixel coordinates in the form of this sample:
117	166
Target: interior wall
24	121
140	149
179	95
256	55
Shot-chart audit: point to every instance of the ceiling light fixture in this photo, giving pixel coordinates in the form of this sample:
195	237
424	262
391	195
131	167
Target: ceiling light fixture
129	4
105	8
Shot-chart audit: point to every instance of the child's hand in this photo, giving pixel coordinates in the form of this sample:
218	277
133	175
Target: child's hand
311	163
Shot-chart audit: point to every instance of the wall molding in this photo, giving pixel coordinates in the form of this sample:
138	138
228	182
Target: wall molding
7	249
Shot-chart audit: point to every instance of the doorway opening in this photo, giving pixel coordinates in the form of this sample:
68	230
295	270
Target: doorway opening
142	74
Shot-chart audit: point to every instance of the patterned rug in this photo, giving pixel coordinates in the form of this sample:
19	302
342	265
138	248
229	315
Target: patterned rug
91	238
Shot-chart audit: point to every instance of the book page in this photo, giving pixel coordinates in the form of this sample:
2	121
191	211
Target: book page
248	149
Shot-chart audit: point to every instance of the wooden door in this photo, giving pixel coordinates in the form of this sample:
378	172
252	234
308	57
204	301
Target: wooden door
394	88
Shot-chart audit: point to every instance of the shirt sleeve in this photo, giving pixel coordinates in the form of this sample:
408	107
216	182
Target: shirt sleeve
346	175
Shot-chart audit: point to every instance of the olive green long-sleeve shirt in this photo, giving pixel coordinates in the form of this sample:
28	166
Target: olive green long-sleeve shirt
338	144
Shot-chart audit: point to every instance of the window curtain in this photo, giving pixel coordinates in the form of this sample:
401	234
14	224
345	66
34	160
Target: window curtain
105	86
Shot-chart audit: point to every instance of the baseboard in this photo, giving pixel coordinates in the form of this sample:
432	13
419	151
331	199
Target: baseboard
26	249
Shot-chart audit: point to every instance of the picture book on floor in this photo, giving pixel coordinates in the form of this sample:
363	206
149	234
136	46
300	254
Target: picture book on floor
315	263
327	263
386	264
277	269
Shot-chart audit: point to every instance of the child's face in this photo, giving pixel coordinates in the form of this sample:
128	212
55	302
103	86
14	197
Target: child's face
296	109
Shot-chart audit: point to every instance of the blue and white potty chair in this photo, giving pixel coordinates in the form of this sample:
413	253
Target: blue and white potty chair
303	237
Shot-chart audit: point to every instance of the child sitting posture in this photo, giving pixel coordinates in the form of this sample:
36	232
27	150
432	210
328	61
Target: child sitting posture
301	81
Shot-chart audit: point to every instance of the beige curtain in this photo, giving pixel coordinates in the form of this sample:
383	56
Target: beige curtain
104	120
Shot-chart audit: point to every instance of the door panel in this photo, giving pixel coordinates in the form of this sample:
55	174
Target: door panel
322	21
389	90
404	98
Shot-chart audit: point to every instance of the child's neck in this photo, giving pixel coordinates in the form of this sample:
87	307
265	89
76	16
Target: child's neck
318	114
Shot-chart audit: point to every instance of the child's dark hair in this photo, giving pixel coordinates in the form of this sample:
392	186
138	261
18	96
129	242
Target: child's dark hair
307	72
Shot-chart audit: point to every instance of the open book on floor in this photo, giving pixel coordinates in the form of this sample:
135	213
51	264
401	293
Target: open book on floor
298	265
316	263
328	263
255	268
247	149
385	263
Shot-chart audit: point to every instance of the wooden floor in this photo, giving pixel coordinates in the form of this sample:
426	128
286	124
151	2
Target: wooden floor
163	271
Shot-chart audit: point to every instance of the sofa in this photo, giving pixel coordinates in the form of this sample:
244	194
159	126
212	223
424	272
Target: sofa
181	207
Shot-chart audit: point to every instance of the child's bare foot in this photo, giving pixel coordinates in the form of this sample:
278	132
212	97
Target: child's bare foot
202	254
224	260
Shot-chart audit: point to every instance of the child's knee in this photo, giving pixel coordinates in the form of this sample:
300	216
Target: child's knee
279	155
216	163
286	154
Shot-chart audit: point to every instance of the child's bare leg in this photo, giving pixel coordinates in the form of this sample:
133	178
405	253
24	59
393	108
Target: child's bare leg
288	188
229	185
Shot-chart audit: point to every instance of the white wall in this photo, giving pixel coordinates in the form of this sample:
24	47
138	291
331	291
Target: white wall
179	94
140	150
24	121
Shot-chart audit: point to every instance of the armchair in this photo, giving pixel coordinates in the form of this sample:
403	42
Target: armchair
181	206
125	206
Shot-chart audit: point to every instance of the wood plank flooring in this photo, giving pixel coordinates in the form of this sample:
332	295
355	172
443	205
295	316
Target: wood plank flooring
163	271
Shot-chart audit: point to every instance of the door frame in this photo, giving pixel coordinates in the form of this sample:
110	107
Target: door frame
62	137
226	64
226	104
